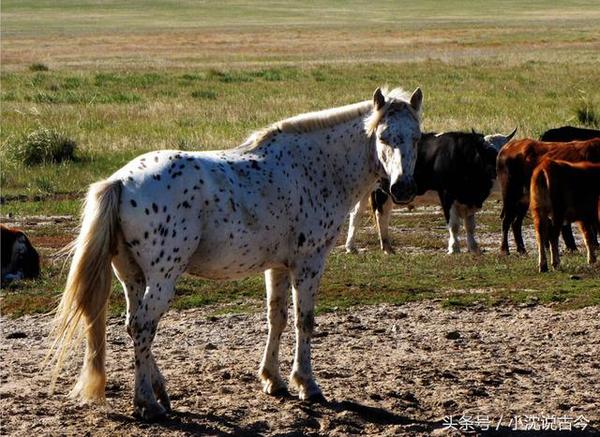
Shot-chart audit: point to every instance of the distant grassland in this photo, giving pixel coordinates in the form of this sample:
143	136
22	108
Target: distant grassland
118	115
127	77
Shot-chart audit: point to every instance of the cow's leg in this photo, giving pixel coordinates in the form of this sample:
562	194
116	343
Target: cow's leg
507	218
134	285
554	234
142	328
567	234
517	226
541	224
278	286
382	214
453	228
305	282
354	222
511	193
587	229
470	231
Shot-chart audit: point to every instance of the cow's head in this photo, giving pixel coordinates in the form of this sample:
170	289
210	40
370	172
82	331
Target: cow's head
496	141
395	126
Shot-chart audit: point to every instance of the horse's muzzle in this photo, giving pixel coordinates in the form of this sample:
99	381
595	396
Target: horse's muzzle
404	190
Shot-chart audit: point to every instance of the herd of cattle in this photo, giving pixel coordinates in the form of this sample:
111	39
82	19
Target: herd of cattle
559	176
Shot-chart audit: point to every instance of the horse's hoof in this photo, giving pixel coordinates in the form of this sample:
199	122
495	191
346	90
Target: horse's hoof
351	250
163	398
521	251
543	268
309	391
273	386
279	392
316	398
150	413
166	404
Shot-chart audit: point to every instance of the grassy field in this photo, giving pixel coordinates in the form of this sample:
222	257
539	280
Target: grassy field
124	79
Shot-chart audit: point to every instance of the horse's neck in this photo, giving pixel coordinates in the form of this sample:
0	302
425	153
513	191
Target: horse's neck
348	153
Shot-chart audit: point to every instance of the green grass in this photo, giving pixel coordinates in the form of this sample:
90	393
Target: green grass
369	278
204	109
122	79
90	17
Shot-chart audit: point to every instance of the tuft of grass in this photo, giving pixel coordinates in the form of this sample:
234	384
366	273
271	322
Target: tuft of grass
38	66
586	112
228	76
41	147
204	94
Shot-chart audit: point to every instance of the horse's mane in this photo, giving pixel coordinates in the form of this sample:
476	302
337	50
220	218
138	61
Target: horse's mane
312	121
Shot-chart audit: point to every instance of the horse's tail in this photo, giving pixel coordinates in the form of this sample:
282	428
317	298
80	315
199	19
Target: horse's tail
87	290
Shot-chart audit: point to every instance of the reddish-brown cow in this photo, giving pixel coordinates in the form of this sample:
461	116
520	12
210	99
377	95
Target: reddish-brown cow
564	192
515	164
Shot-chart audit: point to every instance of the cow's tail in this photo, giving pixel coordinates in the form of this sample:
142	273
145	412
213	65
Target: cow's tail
540	188
88	287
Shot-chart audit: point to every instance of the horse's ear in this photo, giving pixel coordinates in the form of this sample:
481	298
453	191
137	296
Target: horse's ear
416	100
378	99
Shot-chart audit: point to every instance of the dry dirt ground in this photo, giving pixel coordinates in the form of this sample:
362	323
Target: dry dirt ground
385	370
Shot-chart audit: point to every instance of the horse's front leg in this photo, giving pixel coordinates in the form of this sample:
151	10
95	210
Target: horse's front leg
306	277
278	286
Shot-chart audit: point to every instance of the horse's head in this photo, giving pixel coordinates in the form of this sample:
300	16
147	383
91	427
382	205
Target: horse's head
395	126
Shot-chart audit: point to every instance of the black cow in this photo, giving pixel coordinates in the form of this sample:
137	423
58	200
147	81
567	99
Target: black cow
460	166
19	259
569	133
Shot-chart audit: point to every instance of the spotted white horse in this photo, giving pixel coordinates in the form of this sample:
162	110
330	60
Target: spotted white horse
274	204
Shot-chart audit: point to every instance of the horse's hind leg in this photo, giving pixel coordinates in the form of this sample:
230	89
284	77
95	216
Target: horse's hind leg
278	287
305	283
134	284
354	222
143	325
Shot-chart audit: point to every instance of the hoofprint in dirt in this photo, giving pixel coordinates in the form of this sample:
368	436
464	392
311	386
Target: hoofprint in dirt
385	370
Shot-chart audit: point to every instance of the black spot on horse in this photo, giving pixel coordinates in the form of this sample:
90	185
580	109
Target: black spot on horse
301	239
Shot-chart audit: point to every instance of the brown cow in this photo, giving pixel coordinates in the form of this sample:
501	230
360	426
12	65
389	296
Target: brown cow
515	164
564	192
19	259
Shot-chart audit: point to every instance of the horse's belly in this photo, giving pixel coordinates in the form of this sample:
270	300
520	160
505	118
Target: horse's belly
218	260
